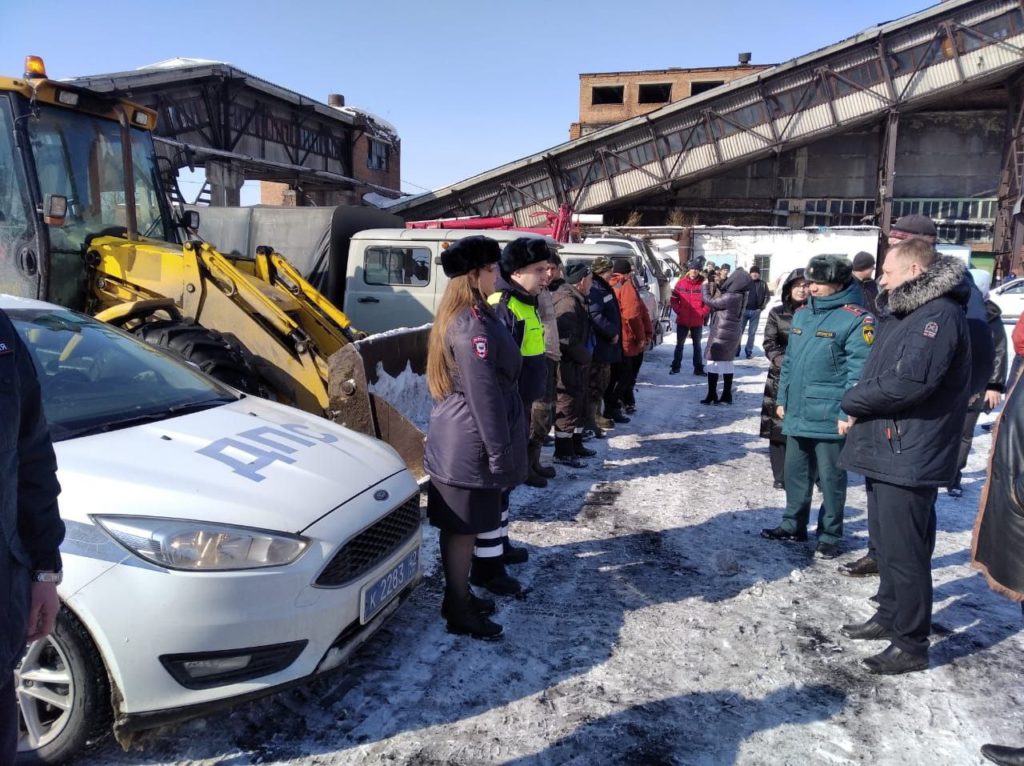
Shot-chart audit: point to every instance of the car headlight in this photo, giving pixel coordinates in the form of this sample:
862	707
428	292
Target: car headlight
200	546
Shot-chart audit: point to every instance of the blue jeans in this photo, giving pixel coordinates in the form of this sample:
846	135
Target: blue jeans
751	318
695	334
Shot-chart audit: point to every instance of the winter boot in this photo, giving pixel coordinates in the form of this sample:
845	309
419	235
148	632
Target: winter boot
726	389
699	371
597	421
490	574
618	416
513	554
533	453
484	606
712	397
579	449
465	620
565	452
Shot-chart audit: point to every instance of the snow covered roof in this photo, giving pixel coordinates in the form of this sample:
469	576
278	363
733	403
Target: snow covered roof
181	62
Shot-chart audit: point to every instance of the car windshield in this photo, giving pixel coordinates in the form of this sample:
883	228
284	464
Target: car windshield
95	378
79	156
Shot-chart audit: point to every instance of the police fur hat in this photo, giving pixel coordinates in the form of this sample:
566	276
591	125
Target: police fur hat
469	253
522	252
621	266
576	271
915	225
863	260
830	269
601	265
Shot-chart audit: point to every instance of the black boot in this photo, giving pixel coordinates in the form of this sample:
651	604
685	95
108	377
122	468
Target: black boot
513	554
579	449
464	619
533	453
726	389
1006	756
565	453
484	606
490	574
712	397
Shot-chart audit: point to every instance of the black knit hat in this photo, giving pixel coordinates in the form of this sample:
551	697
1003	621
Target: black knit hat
830	269
863	260
469	253
914	226
576	271
521	252
621	266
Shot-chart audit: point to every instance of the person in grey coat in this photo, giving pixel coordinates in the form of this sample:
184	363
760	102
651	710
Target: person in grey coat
724	332
476	442
30	527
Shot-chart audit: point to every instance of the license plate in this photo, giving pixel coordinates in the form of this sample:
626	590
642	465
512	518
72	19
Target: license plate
376	595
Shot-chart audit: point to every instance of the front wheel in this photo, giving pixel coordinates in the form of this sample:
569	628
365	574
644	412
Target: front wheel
61	688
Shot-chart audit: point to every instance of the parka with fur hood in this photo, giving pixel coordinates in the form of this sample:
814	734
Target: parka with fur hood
911	400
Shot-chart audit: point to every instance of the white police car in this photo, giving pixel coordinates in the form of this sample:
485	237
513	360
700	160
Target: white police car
218	546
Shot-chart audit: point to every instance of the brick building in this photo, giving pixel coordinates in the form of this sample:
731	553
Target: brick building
608	98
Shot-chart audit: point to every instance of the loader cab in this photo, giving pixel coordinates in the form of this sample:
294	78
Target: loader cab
64	180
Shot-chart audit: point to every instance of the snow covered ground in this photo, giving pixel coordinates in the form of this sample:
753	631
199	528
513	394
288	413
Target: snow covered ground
657	627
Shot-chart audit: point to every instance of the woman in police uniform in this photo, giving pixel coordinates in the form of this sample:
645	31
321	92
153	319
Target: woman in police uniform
476	444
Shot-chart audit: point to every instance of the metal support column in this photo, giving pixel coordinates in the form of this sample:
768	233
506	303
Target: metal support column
225	184
886	182
1007	231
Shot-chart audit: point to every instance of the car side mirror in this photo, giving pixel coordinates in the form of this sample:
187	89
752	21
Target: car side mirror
55	209
190	220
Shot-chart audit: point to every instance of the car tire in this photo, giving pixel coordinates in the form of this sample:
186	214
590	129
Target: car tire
66	669
219	356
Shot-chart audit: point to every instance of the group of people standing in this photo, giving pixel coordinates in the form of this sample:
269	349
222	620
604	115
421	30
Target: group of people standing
884	392
520	340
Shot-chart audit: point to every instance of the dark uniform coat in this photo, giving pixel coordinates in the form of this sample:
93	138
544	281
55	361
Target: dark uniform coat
30	527
604	313
517	310
999	529
576	337
776	339
477	434
912	396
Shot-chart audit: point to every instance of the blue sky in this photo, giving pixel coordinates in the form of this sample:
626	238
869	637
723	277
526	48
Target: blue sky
469	85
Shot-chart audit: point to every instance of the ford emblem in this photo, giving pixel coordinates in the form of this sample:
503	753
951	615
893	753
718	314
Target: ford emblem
381	494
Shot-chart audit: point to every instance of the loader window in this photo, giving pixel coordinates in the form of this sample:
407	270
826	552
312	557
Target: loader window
15	204
79	156
397	266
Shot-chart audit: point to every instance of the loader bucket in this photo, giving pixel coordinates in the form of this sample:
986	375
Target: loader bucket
378	386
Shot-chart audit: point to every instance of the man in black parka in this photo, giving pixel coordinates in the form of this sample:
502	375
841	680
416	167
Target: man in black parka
907	413
30	527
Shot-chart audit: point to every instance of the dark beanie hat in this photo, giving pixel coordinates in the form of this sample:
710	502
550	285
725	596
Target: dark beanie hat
576	271
621	266
915	226
693	264
863	260
831	269
469	253
521	252
755	270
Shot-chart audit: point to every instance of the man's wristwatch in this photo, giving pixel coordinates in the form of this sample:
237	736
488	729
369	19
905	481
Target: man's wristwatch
40	575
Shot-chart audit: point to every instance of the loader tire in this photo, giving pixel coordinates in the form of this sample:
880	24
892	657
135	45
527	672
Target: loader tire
218	355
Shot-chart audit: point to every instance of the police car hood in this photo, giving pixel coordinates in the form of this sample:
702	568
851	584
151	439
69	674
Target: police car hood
248	462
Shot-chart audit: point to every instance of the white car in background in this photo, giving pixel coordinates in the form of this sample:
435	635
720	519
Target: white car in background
218	546
1010	299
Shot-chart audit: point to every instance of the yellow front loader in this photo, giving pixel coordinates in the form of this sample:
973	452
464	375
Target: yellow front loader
84	223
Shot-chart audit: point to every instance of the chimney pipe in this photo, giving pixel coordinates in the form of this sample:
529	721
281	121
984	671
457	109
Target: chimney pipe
335	99
744	59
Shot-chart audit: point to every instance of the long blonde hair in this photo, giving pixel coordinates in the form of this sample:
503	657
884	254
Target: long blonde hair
458	296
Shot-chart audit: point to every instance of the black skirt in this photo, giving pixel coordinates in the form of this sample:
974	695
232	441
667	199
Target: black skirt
463	511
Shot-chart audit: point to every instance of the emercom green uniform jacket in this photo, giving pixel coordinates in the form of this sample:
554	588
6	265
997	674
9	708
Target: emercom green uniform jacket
828	346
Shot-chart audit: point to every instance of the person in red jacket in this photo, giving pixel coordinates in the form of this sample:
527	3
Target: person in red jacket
637	332
691	313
